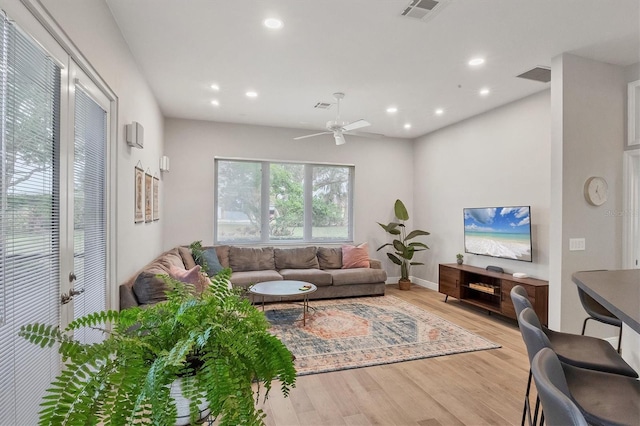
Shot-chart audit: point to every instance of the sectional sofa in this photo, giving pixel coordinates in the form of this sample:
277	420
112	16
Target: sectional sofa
322	266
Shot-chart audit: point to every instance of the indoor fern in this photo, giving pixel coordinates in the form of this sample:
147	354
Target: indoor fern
217	342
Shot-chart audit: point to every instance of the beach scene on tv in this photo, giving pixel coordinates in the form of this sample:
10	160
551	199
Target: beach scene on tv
498	232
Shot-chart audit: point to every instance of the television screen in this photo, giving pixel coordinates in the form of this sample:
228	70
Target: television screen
498	232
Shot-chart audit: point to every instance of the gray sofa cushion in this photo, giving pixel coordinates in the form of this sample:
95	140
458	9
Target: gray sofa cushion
296	258
313	276
171	257
223	255
357	276
243	279
149	288
187	257
210	256
251	259
330	258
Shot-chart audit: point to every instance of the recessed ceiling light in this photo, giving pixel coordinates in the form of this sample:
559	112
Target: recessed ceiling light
392	109
439	111
273	23
215	102
484	91
476	61
407	126
251	94
215	87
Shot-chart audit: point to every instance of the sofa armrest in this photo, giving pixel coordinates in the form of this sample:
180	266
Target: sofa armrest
375	264
127	298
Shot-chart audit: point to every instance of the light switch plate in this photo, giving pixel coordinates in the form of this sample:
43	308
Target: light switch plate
576	244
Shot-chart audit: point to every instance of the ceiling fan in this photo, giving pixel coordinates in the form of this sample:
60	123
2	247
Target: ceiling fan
337	127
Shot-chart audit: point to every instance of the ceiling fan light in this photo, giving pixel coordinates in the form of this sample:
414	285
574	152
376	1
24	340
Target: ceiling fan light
339	139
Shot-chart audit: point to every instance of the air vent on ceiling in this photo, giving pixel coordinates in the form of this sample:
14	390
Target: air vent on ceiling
323	105
537	74
424	9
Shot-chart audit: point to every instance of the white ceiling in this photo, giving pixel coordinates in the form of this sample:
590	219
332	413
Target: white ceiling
365	49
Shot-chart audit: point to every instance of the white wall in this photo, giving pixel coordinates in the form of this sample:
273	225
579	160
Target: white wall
588	99
93	30
383	172
499	158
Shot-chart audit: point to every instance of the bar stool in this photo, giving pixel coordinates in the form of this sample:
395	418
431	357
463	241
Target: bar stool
574	349
598	313
583	351
603	398
559	408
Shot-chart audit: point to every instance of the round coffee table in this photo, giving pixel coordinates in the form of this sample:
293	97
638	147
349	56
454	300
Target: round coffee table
285	288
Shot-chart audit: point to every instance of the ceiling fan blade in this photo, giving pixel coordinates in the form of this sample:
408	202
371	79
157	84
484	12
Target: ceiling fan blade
310	136
366	135
356	125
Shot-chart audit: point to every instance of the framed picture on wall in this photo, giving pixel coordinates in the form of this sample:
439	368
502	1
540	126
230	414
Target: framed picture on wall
148	201
156	204
138	201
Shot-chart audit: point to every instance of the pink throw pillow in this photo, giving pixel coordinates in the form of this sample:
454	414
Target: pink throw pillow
355	257
189	276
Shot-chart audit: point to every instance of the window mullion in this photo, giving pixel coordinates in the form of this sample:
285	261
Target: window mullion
308	202
265	198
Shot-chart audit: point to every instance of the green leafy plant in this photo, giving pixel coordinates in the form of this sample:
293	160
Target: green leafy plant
459	256
403	250
198	255
216	342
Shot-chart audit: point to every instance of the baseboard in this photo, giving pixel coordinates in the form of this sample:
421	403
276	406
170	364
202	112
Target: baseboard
417	281
424	283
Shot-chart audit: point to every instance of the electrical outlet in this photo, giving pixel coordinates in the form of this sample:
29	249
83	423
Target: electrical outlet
577	244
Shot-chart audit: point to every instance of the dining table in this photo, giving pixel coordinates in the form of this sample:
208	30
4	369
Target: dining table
616	290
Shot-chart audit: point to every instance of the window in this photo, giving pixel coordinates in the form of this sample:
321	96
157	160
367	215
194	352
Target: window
268	201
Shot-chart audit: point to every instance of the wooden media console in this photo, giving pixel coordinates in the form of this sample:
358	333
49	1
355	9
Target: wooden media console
491	290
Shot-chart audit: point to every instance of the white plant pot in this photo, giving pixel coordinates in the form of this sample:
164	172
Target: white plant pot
182	404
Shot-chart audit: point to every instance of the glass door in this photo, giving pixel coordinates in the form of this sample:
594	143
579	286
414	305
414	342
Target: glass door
87	279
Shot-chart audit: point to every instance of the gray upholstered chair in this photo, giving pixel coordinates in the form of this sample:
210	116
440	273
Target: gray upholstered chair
559	408
603	398
582	351
598	313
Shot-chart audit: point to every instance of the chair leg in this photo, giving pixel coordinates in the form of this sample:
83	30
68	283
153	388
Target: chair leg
526	410
620	339
536	411
584	324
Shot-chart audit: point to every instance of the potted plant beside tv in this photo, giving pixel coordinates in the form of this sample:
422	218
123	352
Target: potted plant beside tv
214	346
403	249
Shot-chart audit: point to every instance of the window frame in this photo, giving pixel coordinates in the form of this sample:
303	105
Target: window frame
307	237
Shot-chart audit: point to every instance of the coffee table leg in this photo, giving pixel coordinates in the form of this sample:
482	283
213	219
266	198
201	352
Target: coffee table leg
305	309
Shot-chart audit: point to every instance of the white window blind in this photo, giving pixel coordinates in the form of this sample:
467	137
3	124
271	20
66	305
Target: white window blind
89	242
29	220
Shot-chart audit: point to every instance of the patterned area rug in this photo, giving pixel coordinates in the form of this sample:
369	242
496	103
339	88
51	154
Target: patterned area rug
360	332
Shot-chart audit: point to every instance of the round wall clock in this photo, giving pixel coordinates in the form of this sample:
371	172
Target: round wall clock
596	190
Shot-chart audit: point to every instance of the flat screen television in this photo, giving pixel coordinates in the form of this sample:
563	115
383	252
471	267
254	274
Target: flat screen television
503	232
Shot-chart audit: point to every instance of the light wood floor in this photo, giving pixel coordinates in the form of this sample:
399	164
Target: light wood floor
477	388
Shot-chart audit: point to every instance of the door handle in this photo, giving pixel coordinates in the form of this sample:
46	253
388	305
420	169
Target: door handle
68	297
73	292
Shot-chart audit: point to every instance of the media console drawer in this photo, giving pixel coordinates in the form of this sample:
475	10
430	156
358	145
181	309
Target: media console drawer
472	285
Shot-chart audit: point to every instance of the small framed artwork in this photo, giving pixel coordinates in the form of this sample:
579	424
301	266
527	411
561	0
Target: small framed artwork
156	204
148	201
138	195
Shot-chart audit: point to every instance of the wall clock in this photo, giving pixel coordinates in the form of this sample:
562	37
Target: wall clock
596	190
